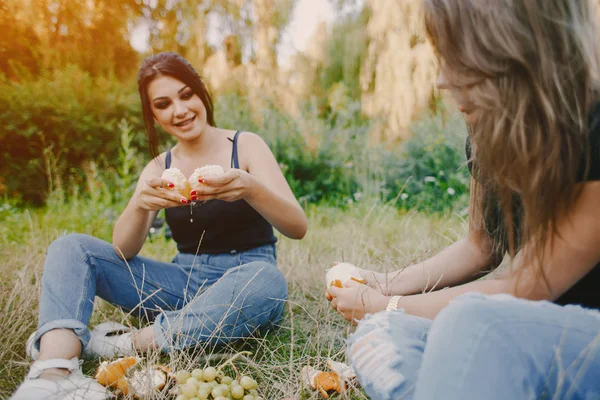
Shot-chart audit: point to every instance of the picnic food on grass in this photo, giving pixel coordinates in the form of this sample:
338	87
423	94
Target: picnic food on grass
342	272
338	379
211	383
184	185
113	374
126	376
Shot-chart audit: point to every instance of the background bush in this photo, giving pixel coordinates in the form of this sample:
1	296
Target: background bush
80	125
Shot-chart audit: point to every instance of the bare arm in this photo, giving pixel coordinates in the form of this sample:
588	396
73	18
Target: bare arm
272	196
571	253
461	262
132	226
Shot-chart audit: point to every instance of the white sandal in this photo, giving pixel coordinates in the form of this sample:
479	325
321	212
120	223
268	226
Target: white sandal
75	386
108	339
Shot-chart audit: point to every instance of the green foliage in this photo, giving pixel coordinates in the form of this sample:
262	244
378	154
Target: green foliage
129	165
47	35
329	160
233	112
315	155
16	40
432	174
53	125
84	137
345	51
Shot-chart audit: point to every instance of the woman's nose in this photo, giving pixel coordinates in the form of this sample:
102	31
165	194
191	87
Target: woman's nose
442	81
180	109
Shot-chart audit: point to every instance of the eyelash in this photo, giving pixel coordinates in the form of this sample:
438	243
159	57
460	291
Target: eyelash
184	96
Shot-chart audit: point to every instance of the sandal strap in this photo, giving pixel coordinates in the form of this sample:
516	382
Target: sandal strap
111	327
38	367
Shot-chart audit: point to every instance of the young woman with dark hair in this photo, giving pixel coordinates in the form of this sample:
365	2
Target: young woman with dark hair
223	284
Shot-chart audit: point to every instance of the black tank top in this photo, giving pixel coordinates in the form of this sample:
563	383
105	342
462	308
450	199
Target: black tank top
224	227
586	292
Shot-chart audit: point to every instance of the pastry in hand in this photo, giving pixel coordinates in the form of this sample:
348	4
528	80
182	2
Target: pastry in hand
208	171
176	177
342	272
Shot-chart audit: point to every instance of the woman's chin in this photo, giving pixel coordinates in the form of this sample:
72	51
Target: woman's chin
470	117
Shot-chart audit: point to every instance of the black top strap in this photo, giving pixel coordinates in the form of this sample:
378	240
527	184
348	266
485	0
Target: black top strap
234	154
168	159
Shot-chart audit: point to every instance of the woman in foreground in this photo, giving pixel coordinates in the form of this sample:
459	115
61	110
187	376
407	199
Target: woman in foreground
525	73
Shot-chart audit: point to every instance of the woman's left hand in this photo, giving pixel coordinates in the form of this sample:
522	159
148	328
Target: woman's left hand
354	300
233	185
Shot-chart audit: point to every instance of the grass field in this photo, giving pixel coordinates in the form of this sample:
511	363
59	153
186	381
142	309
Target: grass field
367	233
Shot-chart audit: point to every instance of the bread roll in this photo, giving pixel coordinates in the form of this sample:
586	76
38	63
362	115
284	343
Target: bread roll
342	272
176	177
208	171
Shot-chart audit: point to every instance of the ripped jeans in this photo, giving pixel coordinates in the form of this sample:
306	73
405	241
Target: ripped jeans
480	347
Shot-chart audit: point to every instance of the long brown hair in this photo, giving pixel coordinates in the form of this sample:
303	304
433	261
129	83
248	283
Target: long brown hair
533	68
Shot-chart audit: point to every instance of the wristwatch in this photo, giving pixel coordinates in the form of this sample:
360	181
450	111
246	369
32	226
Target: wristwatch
393	303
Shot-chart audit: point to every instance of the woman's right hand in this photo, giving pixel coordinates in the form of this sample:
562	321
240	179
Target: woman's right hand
157	193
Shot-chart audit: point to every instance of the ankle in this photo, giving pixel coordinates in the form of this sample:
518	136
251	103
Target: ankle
143	339
137	340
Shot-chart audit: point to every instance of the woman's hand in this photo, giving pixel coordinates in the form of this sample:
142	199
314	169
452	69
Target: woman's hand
156	194
381	282
233	185
354	300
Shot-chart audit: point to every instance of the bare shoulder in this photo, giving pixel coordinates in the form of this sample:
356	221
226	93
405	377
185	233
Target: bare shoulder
253	150
155	167
251	139
589	195
581	225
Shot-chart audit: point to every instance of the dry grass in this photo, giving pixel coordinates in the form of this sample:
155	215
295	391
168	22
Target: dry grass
372	235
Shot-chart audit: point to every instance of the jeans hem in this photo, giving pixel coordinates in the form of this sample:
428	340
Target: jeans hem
81	330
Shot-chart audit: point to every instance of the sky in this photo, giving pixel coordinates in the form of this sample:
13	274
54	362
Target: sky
306	16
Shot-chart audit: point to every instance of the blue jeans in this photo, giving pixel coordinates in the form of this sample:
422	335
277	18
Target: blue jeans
208	298
480	347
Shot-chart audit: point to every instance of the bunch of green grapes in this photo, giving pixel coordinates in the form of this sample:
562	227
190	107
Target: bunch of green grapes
208	383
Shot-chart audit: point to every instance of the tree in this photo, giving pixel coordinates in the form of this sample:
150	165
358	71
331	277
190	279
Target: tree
19	46
50	34
398	73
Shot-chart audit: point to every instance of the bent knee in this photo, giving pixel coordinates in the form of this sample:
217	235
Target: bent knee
69	242
66	247
72	251
76	242
267	277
